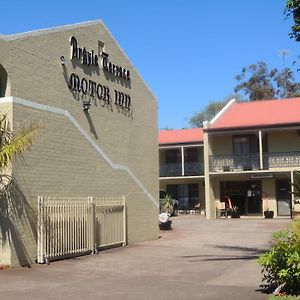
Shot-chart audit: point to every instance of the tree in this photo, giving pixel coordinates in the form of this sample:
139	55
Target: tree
292	9
13	145
210	111
286	85
262	84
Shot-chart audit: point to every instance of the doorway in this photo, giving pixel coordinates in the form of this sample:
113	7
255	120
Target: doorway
246	195
283	197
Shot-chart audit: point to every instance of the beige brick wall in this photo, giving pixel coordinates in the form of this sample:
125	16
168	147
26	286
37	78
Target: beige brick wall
283	141
62	161
221	145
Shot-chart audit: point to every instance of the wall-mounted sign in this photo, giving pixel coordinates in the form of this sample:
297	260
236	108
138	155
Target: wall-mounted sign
91	58
92	89
261	175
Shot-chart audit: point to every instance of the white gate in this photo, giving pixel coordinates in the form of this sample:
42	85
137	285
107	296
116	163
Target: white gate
78	225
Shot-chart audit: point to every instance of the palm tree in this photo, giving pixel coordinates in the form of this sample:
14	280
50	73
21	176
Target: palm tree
12	145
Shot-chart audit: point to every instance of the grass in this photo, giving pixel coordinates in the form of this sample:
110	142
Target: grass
272	297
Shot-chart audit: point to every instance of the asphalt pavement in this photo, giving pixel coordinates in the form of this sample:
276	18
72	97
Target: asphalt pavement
198	259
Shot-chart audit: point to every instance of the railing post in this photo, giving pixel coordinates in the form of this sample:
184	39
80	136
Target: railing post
124	222
93	245
40	231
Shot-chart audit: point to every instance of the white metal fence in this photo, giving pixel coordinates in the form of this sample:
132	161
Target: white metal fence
78	225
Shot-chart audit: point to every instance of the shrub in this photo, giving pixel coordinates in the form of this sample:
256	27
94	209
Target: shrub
281	264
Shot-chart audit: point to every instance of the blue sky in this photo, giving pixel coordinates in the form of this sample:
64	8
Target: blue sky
188	51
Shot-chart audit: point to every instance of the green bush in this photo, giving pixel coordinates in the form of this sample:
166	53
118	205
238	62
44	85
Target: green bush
281	264
272	297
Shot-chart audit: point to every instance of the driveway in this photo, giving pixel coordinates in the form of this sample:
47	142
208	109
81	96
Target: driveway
198	259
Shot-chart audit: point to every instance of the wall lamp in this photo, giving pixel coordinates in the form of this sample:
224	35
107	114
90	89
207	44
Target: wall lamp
62	60
86	105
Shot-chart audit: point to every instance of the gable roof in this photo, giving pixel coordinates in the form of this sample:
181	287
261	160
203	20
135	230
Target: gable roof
182	136
34	33
264	113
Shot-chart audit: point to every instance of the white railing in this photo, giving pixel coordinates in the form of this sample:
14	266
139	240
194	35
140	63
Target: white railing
78	225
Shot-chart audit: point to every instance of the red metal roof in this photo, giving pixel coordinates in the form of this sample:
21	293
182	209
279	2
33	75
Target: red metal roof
259	114
182	136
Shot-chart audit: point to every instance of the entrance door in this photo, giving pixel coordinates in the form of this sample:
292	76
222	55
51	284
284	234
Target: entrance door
283	197
246	195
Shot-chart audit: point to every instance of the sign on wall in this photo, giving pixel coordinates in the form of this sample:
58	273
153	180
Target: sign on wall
88	88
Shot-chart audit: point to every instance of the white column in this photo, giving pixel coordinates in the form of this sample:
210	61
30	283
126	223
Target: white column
261	164
182	161
210	203
292	190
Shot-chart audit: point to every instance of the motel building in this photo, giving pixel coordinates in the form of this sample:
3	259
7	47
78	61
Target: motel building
90	180
248	153
181	167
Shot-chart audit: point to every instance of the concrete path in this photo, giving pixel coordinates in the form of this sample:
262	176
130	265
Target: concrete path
198	259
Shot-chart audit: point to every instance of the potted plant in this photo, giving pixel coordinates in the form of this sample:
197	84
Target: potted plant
234	212
269	214
165	222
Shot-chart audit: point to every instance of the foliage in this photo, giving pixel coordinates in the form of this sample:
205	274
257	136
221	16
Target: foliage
273	297
292	9
210	111
286	85
281	264
13	145
260	83
296	185
167	204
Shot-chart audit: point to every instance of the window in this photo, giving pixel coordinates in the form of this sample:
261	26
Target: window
191	154
245	144
3	81
173	156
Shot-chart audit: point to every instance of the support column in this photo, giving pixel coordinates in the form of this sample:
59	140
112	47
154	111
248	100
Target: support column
261	163
210	203
292	193
182	161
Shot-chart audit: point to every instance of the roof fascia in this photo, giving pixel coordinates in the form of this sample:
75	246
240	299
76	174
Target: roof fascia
217	131
178	145
222	111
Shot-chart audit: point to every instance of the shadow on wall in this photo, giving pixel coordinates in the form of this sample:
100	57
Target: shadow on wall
15	215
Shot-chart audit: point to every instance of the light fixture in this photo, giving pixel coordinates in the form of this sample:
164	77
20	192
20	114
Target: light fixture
86	105
62	60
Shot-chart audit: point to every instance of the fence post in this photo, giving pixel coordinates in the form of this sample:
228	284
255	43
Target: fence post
40	231
93	245
124	222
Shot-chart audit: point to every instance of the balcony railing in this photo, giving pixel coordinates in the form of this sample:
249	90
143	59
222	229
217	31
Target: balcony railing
193	168
227	163
281	160
175	169
170	170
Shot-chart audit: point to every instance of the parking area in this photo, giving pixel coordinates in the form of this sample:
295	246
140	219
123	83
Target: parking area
198	259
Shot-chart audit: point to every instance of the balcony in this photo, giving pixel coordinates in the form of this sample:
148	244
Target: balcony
170	170
175	169
281	160
193	168
227	163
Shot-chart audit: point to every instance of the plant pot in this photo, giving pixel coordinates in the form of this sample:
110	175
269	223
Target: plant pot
166	226
269	214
